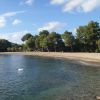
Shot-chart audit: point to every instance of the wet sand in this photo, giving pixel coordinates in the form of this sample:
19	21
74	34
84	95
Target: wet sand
83	58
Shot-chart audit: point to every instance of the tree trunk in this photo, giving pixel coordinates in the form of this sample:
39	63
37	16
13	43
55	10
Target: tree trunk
47	49
42	49
71	49
55	48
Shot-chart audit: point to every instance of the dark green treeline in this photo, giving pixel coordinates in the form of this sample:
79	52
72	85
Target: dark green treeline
87	39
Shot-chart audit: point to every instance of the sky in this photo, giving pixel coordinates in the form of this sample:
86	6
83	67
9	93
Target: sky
18	17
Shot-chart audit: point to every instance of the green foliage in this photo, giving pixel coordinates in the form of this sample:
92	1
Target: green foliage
26	37
30	43
14	48
55	41
44	33
88	35
43	42
87	39
37	43
68	39
4	44
98	45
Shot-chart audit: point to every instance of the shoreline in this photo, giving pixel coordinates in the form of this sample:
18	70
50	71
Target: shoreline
83	58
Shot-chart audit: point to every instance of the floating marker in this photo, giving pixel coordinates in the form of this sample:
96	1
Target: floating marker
20	69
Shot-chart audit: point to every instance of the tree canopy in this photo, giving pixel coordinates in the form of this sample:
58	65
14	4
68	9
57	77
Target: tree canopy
87	39
4	44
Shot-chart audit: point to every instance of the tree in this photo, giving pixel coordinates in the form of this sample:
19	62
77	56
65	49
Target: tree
4	44
55	41
26	37
44	33
68	39
43	42
88	35
87	39
15	48
98	46
24	47
30	43
37	43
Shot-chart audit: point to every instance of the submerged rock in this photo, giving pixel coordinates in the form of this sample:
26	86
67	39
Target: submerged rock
97	97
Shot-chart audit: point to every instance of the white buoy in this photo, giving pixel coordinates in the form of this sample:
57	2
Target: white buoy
20	69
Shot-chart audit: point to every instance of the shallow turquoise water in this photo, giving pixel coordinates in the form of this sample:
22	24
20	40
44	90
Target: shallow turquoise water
47	79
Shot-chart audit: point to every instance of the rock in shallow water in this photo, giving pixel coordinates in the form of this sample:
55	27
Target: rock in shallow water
97	97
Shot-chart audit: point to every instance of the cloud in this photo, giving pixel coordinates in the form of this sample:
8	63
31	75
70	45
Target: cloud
57	1
52	26
16	22
3	17
14	37
10	14
2	22
78	5
27	2
90	5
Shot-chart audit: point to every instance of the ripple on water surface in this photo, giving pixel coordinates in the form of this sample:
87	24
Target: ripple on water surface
47	79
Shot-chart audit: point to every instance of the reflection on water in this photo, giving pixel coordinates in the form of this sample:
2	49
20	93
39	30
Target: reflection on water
47	79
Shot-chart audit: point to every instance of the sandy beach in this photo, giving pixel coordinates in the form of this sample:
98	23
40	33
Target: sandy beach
84	58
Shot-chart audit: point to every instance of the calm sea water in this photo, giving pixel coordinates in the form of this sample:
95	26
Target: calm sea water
47	79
